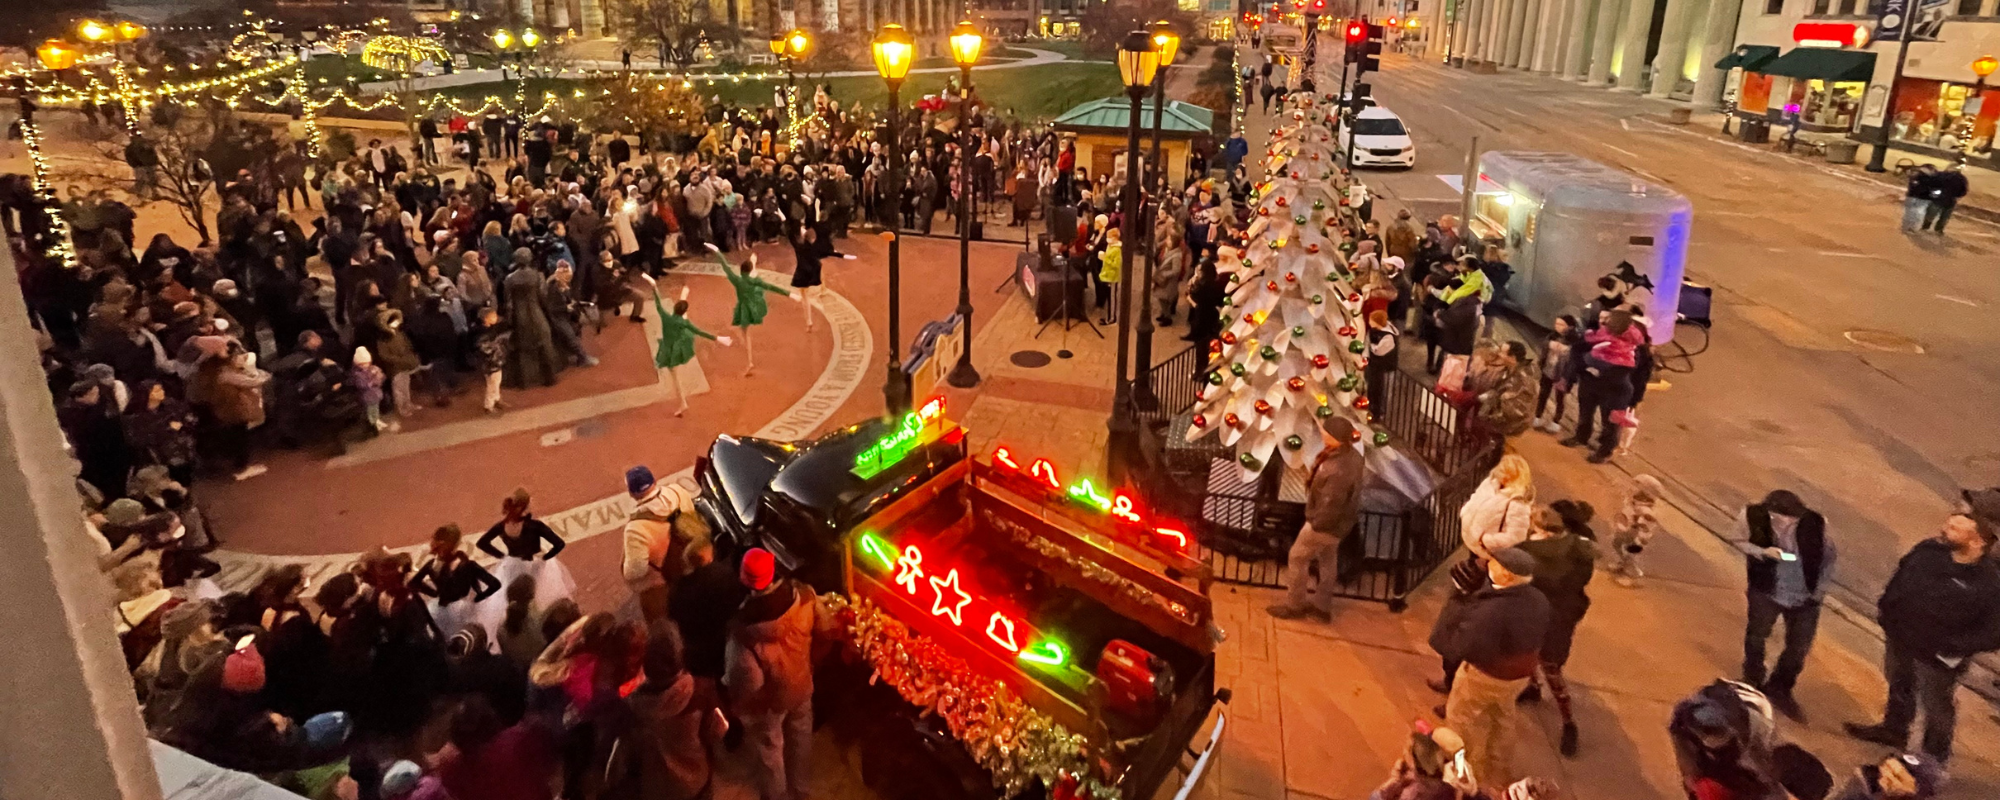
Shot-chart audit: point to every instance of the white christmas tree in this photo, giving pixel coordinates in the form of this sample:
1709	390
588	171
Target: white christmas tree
1291	349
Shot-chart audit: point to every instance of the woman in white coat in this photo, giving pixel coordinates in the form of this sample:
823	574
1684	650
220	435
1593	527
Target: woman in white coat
1498	515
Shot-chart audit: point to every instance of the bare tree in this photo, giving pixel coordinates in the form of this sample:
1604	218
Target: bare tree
678	27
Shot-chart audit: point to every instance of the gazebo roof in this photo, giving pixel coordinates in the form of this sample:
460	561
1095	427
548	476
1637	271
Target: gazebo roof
1113	113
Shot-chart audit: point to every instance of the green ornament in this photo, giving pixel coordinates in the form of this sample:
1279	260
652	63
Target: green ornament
1323	412
1332	276
1293	442
1319	205
1298	330
1269	353
1348	382
1237	277
1316	300
1229	301
1237	369
1215	378
1356	347
1248	460
1299	219
1226	319
1381	438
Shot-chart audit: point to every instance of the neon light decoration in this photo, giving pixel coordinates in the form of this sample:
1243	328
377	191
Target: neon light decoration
1165	533
950	601
917	429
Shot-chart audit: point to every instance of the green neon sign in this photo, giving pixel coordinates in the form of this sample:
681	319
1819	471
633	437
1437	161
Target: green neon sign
1083	492
890	449
1048	653
874	546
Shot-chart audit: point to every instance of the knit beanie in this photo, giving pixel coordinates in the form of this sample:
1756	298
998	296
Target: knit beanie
638	479
243	671
758	570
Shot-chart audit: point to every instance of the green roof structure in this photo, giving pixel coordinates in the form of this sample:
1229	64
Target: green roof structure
1114	113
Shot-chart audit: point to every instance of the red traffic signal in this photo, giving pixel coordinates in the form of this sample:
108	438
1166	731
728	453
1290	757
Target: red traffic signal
1392	22
1357	31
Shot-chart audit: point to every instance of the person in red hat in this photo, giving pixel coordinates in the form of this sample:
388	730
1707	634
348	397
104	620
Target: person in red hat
768	669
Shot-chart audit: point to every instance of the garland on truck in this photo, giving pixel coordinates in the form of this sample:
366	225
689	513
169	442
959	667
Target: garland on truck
1006	736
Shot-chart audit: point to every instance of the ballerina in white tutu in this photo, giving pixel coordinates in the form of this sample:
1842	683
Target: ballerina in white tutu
518	541
454	587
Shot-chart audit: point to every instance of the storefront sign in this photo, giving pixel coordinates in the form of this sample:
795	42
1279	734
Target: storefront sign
1889	24
1830	34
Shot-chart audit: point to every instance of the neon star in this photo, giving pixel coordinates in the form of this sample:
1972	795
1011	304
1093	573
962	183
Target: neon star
909	568
938	606
1001	630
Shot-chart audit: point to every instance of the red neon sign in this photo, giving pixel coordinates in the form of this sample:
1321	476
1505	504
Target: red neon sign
1165	533
950	601
1830	34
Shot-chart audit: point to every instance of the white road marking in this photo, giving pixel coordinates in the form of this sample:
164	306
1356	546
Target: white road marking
1515	113
1624	123
1958	300
1622	150
1845	254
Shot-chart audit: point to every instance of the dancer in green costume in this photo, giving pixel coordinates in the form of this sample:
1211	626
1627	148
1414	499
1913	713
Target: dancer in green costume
750	307
677	340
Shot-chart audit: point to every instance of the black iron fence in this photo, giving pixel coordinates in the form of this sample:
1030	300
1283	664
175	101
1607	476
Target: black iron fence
1245	530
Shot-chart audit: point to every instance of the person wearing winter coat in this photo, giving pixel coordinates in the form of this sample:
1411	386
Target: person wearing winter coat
654	544
397	356
1499	512
1564	564
1790	561
491	348
1904	776
1508	406
1333	505
234	388
1495	634
768	671
1941	608
1724	741
674	725
533	358
1558	373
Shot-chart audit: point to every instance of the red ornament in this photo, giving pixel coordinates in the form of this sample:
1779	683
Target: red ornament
1296	384
1291	277
1356	433
1361	403
1315	156
1232	420
1215	347
1229	337
1313	248
1354	297
1264	407
1200	421
1271	285
1346	330
1282	202
1321	361
1295	175
1266	211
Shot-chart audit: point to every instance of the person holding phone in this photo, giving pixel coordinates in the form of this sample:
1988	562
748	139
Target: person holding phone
1790	560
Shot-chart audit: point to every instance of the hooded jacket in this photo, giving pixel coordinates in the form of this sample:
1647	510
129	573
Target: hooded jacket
673	733
651	551
1492	519
1934	605
768	661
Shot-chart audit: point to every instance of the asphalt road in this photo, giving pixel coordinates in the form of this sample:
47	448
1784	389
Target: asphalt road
1800	255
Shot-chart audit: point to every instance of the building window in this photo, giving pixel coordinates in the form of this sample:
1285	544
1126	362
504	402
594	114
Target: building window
1774	6
1820	7
1932	114
1847	8
1969	8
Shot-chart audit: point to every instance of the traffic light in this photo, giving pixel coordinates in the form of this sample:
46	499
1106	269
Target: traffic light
1354	32
1392	22
1368	53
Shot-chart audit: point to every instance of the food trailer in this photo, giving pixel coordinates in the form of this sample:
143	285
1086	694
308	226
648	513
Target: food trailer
1010	633
1565	221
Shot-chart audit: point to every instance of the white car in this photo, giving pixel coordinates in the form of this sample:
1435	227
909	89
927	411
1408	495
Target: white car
1381	140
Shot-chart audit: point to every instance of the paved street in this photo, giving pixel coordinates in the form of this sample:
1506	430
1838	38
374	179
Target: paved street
1800	255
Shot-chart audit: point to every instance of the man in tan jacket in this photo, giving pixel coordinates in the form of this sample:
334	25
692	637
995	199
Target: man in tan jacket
654	543
1333	506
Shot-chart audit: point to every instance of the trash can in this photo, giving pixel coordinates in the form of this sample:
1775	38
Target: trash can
1755	131
1842	151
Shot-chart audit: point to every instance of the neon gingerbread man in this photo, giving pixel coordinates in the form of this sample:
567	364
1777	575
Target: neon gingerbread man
910	568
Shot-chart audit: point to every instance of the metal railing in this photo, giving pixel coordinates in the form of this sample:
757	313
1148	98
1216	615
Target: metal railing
1244	531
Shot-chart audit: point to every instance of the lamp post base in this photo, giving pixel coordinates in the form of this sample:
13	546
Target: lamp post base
963	376
896	390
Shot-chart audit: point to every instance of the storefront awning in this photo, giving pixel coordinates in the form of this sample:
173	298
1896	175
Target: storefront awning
1751	57
1823	63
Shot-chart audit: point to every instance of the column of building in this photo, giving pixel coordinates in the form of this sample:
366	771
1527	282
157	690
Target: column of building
1604	39
1576	38
1632	44
1671	61
1549	42
1718	38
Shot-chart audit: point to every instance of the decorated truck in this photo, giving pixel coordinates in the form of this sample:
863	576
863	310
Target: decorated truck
1010	631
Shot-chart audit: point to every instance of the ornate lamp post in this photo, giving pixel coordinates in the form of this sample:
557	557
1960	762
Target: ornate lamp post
1138	60
1167	43
114	35
789	48
894	50
1982	66
965	46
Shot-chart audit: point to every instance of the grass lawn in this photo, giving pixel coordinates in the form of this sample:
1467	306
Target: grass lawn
1029	92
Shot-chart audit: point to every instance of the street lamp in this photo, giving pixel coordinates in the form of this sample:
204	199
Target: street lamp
1138	61
1167	43
56	54
1982	67
92	31
789	48
965	46
503	39
894	49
